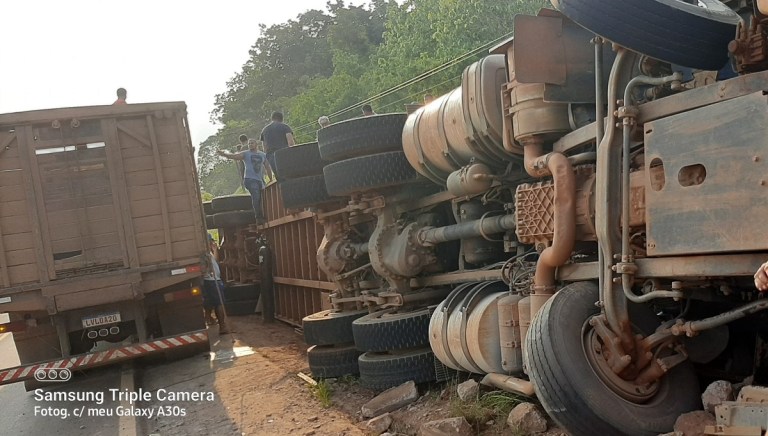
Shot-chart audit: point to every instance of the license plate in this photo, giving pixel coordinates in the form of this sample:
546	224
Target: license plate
97	320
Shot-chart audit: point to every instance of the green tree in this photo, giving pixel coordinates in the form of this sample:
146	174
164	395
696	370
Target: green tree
327	62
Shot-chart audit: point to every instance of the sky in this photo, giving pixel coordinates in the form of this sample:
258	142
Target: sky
77	53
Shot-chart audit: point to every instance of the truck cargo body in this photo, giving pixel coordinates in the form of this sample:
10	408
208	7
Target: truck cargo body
101	231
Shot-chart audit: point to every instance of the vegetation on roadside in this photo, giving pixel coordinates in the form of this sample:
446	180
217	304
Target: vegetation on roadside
328	62
491	406
322	391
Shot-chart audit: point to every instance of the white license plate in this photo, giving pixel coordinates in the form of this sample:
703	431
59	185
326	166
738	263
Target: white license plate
97	320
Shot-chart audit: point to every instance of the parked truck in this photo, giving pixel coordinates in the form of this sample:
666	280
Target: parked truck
102	239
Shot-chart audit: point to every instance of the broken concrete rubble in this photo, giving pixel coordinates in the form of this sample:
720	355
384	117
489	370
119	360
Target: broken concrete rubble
451	426
379	424
694	423
468	390
391	400
716	393
527	418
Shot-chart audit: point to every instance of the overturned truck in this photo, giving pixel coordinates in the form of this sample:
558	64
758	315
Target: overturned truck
581	218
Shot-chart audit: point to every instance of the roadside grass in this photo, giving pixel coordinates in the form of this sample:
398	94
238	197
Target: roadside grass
490	406
322	391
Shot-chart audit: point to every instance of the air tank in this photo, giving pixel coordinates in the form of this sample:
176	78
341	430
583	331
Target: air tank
464	331
461	127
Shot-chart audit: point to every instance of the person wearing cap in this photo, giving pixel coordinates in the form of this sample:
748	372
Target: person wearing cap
324	122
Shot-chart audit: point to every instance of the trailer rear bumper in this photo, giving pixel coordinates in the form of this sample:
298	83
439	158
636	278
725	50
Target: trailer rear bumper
64	368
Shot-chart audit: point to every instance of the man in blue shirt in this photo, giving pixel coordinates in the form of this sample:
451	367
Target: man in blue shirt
255	163
276	135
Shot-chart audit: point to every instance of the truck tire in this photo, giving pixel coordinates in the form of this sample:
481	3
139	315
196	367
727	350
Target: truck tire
368	172
229	203
329	361
234	218
304	192
362	136
388	330
241	292
207	208
241	307
670	30
329	327
569	387
299	161
380	371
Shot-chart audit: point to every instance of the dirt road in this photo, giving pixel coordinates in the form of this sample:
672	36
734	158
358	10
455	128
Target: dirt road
253	377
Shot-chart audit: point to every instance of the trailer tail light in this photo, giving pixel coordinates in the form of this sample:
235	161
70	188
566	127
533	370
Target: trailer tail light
187	270
15	326
180	295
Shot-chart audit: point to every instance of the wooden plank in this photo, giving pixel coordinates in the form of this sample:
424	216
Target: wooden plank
9	163
12	193
20	257
178	234
94	297
161	189
119	190
290	218
94	213
11	178
151	223
19	241
312	284
82	201
17	208
92	241
23	274
86	112
123	127
187	157
11	225
167	160
145	192
177	203
6	144
39	220
141	178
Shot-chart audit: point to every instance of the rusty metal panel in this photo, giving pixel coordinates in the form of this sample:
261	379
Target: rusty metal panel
300	287
712	196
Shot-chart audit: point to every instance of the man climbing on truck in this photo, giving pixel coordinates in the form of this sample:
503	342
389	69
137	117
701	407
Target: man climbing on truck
255	163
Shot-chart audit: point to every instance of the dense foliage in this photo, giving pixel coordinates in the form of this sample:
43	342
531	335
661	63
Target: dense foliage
330	62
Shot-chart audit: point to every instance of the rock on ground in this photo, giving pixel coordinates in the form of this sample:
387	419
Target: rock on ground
715	394
391	400
451	426
693	423
379	424
528	419
468	391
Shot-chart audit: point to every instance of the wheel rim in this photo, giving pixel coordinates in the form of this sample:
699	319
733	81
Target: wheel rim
593	348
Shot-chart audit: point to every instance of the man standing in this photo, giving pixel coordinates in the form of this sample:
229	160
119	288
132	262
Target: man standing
324	122
367	110
121	96
276	135
255	161
212	290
